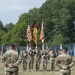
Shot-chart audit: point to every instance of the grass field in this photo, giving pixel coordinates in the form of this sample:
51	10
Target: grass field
21	72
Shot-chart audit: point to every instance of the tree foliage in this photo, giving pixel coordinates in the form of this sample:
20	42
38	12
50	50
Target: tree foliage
58	16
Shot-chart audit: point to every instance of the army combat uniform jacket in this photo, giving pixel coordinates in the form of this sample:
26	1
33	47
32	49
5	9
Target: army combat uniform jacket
11	60
64	62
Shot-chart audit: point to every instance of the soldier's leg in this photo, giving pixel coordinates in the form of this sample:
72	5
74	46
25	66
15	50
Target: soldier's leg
43	65
61	73
30	65
46	65
26	66
10	73
16	73
7	73
68	73
53	65
23	66
64	74
34	67
36	64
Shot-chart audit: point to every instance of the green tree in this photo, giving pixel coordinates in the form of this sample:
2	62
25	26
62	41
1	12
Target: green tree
6	38
1	34
34	11
9	26
20	29
58	16
1	26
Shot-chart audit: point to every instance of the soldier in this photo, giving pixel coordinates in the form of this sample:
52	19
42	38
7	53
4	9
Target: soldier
45	59
24	59
52	56
64	62
29	60
33	52
38	59
11	61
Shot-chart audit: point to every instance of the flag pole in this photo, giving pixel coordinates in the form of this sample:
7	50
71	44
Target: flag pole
27	48
43	46
42	34
35	34
29	35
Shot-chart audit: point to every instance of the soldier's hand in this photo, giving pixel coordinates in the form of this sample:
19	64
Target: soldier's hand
5	64
65	67
10	65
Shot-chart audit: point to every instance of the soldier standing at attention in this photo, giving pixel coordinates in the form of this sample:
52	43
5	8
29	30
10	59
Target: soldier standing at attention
11	61
38	59
52	56
64	62
33	52
25	59
45	59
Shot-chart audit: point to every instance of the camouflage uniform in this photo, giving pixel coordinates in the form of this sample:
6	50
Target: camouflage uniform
64	62
45	59
59	52
29	60
33	52
25	59
11	61
38	59
52	56
31	55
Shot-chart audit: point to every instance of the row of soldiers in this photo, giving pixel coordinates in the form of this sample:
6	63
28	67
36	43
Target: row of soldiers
12	60
33	58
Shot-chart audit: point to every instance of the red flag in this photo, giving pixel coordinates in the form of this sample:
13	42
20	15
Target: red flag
42	33
29	36
35	34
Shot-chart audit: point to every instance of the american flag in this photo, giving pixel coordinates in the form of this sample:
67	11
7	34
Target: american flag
29	36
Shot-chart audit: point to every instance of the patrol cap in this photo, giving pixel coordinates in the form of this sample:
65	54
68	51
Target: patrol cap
64	49
12	46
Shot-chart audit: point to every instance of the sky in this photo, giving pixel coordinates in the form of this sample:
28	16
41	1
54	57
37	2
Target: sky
10	10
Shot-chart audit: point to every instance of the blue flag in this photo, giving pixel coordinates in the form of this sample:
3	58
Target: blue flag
58	47
18	49
0	50
3	49
71	50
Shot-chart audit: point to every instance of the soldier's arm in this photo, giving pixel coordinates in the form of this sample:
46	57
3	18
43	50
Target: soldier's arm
18	61
3	60
72	63
57	62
